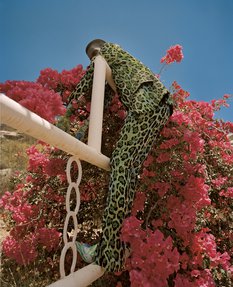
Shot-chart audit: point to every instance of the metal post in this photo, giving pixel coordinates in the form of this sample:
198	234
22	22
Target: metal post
102	72
97	104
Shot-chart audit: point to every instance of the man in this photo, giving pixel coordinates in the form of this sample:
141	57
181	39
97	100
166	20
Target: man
149	107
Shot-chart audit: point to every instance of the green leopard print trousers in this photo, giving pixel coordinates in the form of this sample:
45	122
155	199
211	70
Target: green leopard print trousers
136	139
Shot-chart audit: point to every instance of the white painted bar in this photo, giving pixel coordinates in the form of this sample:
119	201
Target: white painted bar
20	118
81	278
97	104
102	72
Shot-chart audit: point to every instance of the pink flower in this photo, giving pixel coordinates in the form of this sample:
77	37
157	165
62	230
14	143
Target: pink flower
147	173
184	260
182	218
195	143
195	273
152	260
137	279
74	104
49	78
52	79
139	202
167	144
205	109
48	237
88	107
182	280
122	114
22	251
161	187
37	160
33	96
55	166
216	104
171	132
179	95
131	228
65	96
205	279
219	181
163	157
174	54
227	193
24	213
180	118
195	192
157	223
148	161
204	244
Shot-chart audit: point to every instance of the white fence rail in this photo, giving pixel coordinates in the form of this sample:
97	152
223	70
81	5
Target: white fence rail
20	118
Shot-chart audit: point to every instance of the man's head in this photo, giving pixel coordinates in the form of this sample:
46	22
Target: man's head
93	47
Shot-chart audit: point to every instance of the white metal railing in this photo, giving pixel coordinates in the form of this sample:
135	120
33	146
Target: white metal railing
102	73
20	118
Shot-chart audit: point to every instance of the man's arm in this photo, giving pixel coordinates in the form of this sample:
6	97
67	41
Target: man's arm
84	86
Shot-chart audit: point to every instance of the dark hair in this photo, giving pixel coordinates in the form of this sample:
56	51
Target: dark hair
90	48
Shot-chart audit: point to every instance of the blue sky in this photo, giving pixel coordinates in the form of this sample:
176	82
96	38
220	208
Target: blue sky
36	34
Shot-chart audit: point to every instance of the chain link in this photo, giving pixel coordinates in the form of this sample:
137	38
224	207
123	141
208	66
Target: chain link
71	216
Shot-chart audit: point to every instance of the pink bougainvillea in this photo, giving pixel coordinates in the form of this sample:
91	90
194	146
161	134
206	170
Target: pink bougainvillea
174	54
178	232
22	250
48	237
33	96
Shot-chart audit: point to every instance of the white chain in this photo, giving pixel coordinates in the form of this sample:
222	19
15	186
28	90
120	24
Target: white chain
71	214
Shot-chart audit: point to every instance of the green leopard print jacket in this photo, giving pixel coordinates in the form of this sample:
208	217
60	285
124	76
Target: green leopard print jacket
128	74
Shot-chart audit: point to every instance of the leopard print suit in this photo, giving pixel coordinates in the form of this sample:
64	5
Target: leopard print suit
149	106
